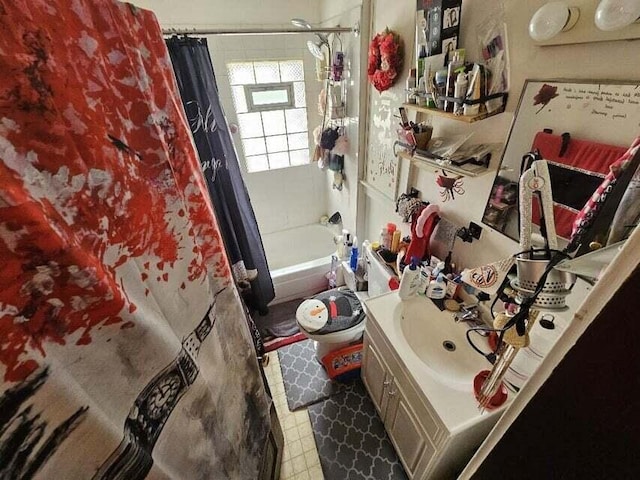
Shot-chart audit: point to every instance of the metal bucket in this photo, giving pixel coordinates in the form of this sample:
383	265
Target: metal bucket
531	269
544	300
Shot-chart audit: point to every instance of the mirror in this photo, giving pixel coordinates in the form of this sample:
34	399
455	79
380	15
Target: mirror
580	128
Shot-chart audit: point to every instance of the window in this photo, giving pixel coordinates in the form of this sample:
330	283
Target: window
269	98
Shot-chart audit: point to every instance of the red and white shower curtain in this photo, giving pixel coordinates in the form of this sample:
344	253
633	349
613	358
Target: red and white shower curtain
123	348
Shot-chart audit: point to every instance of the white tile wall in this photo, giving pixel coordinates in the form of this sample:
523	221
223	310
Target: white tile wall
344	201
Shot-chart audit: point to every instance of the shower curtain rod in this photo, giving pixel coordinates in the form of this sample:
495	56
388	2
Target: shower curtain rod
256	31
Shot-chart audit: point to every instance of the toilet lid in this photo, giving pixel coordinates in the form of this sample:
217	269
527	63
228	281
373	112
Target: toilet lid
329	312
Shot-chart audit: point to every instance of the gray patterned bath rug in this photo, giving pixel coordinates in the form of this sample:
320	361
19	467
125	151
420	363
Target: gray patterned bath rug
305	380
351	440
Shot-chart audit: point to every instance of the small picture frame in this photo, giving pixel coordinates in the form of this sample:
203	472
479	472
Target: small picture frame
449	45
451	18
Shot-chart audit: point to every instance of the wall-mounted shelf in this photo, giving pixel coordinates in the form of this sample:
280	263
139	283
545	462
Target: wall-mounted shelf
433	165
449	115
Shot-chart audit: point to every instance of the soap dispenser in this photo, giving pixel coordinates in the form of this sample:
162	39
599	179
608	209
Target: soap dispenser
410	280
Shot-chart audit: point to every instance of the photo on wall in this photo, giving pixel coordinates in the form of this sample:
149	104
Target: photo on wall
437	29
450	18
449	45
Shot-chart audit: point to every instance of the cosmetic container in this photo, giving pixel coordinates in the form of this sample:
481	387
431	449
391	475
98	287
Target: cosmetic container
410	280
460	92
395	241
437	288
384	237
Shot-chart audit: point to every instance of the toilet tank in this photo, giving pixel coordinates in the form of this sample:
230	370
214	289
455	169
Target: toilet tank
378	274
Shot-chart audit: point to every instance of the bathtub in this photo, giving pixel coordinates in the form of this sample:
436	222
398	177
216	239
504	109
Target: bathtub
299	259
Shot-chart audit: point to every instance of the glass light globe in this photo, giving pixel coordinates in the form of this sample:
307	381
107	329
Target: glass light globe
551	19
616	14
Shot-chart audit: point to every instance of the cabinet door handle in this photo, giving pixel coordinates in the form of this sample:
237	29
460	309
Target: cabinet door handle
386	383
392	393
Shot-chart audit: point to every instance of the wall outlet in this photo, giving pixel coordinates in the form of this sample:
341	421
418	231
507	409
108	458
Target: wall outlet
475	230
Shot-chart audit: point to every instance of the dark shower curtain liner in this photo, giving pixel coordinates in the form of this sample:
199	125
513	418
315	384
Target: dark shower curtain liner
236	219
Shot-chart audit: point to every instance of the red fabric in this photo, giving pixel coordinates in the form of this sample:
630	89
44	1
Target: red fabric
278	342
122	338
586	216
333	309
94	163
584	155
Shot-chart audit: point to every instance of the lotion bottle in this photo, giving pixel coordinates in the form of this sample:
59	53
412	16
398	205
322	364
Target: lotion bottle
411	86
410	280
437	288
454	64
460	92
391	228
473	92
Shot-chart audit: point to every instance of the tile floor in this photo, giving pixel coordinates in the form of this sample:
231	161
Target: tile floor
300	458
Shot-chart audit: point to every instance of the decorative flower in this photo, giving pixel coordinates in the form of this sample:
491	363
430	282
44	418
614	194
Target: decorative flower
545	95
384	60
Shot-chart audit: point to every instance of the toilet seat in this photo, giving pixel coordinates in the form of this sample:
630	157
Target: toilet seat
330	312
333	319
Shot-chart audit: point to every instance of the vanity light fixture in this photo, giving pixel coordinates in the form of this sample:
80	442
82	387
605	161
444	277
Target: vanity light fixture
551	19
616	14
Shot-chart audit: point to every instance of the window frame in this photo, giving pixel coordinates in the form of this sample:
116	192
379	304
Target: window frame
249	89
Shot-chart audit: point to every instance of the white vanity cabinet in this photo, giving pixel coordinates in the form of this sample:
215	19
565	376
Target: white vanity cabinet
410	425
430	445
401	422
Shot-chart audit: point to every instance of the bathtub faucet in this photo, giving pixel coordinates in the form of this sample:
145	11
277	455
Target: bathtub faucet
335	219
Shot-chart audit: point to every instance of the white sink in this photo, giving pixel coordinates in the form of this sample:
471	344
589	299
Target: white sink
440	343
415	329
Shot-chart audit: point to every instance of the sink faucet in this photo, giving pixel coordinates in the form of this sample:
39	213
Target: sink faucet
470	314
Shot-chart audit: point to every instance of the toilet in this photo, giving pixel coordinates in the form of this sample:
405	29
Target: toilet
333	319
